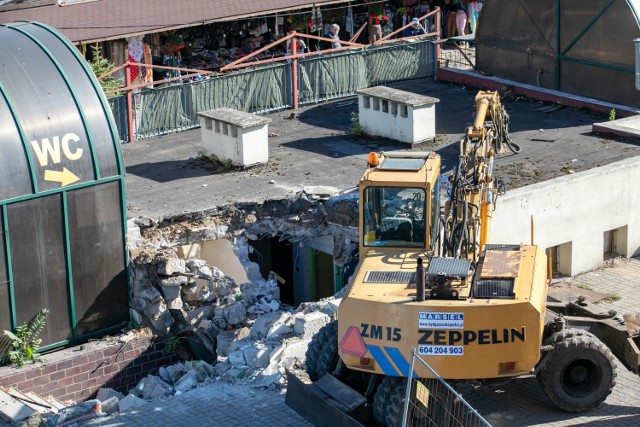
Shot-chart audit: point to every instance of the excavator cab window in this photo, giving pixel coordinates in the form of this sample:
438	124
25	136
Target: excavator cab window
394	216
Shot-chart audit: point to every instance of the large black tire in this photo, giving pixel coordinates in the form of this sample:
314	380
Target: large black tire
580	371
322	353
388	402
568	333
388	405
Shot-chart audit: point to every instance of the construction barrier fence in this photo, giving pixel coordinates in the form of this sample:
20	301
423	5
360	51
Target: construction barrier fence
266	88
433	402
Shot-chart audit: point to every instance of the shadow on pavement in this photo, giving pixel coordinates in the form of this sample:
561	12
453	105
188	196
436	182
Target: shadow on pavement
171	170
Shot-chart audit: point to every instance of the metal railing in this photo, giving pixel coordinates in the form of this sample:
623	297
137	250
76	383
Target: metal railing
458	52
434	403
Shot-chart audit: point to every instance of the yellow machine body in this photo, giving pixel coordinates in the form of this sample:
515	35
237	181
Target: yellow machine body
380	320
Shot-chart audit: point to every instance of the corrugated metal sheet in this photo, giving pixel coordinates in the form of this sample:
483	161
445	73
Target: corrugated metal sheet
116	19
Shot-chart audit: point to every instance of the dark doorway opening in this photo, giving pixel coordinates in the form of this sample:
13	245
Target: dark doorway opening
274	254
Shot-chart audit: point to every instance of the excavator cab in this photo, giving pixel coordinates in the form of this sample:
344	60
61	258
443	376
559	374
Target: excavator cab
397	210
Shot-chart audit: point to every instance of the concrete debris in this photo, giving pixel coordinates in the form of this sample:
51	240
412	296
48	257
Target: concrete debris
151	388
236	358
171	286
241	328
271	325
294	354
233	313
110	406
328	306
107	393
187	381
171	266
227	338
199	314
129	402
257	355
75	414
307	325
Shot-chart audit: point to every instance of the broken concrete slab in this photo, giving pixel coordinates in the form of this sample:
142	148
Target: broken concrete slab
226	338
110	405
234	374
294	353
129	402
171	286
170	266
257	355
278	330
204	369
307	325
107	393
188	381
252	292
271	323
152	387
233	314
236	358
200	313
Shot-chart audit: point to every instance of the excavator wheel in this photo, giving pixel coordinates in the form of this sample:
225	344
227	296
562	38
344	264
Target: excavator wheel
388	406
322	353
567	334
580	371
388	402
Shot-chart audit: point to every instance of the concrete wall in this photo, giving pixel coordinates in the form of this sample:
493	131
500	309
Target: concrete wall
574	212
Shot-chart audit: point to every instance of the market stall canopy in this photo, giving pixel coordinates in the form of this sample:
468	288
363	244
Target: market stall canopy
92	21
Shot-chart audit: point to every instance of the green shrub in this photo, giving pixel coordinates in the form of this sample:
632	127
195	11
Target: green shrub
25	344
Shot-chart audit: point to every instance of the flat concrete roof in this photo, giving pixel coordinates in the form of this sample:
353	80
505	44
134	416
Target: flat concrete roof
400	96
237	118
313	146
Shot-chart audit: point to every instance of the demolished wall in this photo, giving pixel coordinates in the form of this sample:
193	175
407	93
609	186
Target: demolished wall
240	328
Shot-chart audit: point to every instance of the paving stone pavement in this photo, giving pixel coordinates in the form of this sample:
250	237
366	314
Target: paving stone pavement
215	404
518	402
521	402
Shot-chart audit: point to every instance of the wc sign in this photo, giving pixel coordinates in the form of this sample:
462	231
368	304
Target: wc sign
51	151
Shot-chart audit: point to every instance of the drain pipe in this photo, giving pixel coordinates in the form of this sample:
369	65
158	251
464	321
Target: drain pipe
419	281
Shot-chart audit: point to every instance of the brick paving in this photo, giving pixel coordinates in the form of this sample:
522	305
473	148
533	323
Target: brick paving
216	404
521	402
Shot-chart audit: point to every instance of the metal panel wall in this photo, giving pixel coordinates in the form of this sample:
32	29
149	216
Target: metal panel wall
95	114
5	307
16	179
56	137
99	281
38	264
62	204
576	46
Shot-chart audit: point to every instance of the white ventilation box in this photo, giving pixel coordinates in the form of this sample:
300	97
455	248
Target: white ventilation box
397	114
233	135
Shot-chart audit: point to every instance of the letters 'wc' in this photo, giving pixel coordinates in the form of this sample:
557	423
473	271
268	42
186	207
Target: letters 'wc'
62	210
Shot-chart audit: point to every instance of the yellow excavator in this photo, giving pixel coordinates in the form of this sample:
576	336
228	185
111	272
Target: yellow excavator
429	281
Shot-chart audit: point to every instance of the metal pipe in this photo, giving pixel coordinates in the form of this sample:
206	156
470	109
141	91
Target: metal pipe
127	82
419	281
532	231
294	74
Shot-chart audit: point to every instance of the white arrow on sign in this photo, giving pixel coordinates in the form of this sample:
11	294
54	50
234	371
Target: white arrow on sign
65	177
